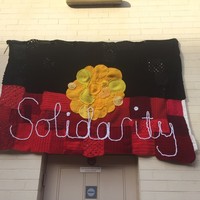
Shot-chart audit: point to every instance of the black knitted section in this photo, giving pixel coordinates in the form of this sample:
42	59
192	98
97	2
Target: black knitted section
149	68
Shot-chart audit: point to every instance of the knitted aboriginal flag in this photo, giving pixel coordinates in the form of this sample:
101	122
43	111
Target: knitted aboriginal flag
96	98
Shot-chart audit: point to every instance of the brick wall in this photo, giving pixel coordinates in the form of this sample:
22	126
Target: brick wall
143	19
19	175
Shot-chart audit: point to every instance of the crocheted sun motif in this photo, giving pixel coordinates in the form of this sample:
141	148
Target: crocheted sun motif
96	91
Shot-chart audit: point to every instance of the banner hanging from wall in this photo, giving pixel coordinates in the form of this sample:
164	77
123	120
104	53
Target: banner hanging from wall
96	98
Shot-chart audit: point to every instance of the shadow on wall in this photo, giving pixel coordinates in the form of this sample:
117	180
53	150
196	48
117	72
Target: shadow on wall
95	4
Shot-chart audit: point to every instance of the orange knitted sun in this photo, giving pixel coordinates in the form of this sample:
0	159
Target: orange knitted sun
96	91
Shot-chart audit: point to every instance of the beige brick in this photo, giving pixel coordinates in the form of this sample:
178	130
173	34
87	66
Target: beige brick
73	21
48	21
19	195
19	174
169	175
98	14
149	31
13	156
12	164
89	21
170	186
194	93
171	196
4	195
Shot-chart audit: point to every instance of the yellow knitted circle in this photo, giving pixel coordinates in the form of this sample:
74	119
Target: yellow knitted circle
96	91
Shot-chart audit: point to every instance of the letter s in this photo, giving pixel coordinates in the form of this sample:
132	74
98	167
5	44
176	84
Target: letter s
18	109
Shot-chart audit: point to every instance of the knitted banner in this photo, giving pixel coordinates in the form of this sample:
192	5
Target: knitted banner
96	98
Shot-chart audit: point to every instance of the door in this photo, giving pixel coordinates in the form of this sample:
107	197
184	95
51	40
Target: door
72	178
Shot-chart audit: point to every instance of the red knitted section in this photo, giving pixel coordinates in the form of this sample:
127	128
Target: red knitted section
11	95
174	107
93	148
176	146
142	143
49	100
141	126
158	108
